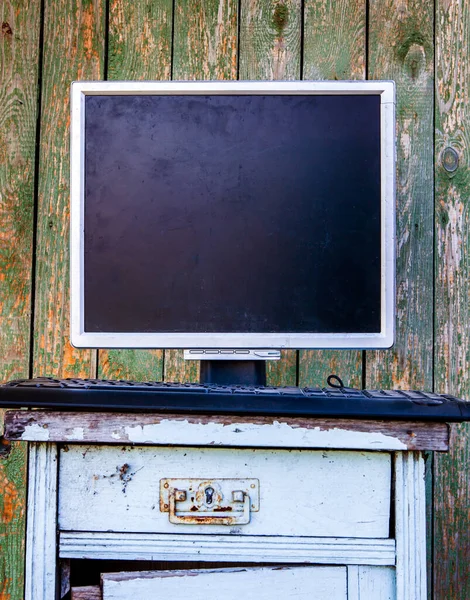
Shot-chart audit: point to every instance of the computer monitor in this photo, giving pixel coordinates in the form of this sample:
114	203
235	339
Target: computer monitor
232	215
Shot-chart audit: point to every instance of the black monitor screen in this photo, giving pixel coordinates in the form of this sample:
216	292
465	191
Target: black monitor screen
232	213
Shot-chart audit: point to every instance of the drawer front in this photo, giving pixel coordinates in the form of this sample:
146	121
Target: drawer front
301	583
292	492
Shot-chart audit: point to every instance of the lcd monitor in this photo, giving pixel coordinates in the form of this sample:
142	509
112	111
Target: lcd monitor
232	214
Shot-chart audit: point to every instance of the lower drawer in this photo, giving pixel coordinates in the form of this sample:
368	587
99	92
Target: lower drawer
301	583
293	492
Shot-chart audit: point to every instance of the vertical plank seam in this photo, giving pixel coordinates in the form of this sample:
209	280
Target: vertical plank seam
172	61
37	158
301	76
433	361
172	56
366	49
364	373
107	8
239	21
301	67
366	75
297	368
434	240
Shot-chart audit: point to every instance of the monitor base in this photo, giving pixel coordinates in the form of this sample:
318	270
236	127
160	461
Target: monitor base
233	372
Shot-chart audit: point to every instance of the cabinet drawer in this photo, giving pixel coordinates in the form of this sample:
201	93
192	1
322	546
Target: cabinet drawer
298	492
301	583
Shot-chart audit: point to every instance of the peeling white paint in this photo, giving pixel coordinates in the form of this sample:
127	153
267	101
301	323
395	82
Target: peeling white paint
75	434
35	432
256	435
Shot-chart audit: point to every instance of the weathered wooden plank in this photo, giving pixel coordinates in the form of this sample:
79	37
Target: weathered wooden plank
270	48
452	310
92	592
73	49
232	548
19	59
316	365
230	430
334	48
262	582
19	62
270	39
139	47
334	39
133	365
401	48
175	368
12	519
205	42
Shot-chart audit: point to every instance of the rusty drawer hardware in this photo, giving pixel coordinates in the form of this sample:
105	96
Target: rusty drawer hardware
209	501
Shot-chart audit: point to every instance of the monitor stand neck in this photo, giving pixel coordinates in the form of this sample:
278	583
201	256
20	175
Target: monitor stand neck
233	372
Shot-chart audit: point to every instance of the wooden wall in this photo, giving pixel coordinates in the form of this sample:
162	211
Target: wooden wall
46	44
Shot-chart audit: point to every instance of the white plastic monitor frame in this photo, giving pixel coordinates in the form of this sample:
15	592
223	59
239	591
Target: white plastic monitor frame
384	339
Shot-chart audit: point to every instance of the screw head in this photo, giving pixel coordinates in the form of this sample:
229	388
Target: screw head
180	495
450	159
238	496
166	485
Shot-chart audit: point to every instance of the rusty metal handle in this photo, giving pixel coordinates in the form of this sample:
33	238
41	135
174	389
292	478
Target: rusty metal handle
208	518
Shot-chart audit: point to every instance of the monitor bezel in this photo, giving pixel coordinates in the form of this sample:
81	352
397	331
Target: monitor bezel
384	339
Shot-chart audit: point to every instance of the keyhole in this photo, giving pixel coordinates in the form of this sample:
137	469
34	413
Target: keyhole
209	495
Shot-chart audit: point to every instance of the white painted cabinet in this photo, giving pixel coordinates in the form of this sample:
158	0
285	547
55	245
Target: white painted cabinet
338	521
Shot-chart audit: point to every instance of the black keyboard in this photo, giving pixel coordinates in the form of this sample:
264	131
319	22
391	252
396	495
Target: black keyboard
98	394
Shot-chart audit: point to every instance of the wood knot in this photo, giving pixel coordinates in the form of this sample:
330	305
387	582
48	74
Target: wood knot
450	159
415	61
280	17
6	29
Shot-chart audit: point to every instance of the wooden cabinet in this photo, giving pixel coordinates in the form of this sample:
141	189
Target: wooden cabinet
339	514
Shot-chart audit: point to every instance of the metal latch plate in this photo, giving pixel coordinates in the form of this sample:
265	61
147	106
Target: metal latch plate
210	495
